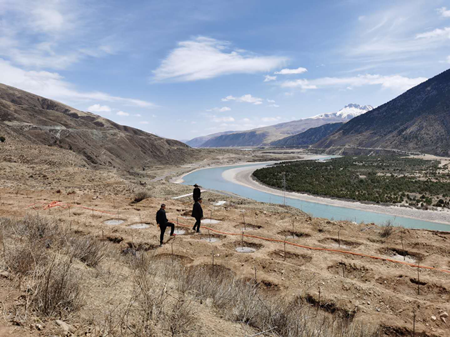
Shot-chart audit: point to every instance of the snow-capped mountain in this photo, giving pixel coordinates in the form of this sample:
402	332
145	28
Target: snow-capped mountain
350	111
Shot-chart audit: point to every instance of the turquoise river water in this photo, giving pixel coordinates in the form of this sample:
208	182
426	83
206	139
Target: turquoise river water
211	178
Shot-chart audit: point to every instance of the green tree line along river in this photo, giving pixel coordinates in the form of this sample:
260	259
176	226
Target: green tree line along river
379	179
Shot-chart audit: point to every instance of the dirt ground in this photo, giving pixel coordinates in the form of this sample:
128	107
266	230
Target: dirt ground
359	288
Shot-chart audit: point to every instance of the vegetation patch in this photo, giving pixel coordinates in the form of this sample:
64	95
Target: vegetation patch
379	179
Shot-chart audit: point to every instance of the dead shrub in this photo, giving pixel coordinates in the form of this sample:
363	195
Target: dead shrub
23	259
88	250
387	229
57	288
142	195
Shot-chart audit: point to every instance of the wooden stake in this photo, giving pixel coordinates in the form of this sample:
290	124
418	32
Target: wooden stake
414	324
284	255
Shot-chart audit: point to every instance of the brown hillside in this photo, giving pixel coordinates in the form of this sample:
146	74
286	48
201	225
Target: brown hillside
28	118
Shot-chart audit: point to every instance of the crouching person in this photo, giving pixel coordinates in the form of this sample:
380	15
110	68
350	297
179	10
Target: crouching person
163	223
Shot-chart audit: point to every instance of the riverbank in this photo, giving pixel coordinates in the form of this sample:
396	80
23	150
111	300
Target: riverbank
243	176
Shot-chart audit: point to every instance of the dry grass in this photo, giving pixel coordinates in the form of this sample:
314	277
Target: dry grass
164	290
56	290
88	250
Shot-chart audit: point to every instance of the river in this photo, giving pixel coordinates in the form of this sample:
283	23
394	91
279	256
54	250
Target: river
212	178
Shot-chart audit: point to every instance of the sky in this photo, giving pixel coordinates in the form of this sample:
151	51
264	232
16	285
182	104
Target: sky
182	69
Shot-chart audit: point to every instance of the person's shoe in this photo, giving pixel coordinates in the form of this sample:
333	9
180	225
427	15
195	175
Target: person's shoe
160	244
173	234
199	232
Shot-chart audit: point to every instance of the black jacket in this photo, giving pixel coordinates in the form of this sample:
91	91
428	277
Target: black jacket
197	211
196	194
161	217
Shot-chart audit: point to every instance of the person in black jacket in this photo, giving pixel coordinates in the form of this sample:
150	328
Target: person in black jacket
197	213
163	223
197	193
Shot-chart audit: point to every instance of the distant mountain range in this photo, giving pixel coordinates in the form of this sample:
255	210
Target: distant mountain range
269	134
26	118
197	142
308	137
416	121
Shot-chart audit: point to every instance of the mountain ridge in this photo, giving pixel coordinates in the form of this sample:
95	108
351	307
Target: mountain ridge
26	117
416	121
266	135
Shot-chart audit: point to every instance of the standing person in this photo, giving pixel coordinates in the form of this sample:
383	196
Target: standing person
197	213
197	193
163	223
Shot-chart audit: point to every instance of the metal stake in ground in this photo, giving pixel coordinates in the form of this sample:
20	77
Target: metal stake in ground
403	248
284	255
418	280
339	238
414	323
242	239
171	244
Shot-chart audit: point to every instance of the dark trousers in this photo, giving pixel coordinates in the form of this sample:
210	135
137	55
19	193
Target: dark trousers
163	230
197	224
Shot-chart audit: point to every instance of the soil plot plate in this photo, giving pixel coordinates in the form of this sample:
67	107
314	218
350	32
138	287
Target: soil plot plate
140	226
245	250
212	239
114	222
210	221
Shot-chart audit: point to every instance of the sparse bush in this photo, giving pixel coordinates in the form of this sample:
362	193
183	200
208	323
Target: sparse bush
142	195
57	288
23	259
387	229
88	250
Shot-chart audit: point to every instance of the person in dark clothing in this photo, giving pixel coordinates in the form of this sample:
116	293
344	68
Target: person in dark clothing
197	193
197	213
163	223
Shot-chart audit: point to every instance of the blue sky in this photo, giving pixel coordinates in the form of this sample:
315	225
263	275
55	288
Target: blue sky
182	69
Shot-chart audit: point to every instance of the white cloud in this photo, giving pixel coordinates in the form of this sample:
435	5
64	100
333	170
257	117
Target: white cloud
222	119
203	57
223	109
53	86
122	113
246	120
49	34
274	105
137	115
269	78
444	12
395	82
291	71
435	34
271	119
301	83
271	101
144	122
244	99
99	108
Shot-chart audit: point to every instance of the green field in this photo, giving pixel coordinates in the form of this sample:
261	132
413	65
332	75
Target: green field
378	179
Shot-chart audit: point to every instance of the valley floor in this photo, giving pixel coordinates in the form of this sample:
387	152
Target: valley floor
243	176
